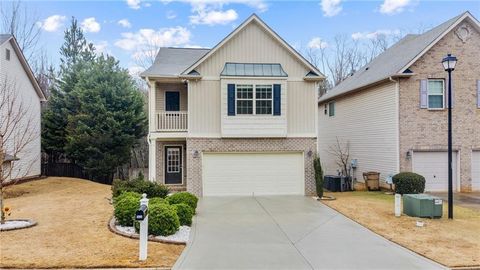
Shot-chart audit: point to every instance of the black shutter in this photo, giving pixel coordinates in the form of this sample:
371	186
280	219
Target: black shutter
231	99
277	110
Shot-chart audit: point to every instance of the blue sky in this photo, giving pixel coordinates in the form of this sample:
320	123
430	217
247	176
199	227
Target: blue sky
126	29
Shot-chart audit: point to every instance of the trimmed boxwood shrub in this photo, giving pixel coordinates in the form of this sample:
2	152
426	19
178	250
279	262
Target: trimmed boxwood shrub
162	219
156	200
184	212
139	185
408	183
184	197
125	206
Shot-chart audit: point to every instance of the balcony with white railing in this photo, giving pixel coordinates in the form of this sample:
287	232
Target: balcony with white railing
171	121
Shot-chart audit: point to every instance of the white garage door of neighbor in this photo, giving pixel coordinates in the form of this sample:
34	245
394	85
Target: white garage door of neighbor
433	166
247	174
476	170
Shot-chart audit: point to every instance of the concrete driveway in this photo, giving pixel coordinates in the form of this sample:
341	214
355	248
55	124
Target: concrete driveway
286	232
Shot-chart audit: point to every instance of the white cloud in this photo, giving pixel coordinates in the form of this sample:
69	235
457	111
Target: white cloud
374	34
171	15
90	25
394	6
331	7
214	17
317	43
101	47
135	70
259	5
144	38
133	4
125	23
52	23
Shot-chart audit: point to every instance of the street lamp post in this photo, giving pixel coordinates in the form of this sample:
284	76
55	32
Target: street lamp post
449	63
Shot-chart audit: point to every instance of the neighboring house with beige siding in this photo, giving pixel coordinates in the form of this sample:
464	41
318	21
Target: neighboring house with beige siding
393	110
237	119
20	112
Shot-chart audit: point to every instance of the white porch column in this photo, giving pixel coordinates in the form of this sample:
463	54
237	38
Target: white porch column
151	105
152	159
152	143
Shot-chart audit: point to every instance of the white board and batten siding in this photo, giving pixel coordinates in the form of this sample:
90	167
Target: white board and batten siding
249	174
432	166
13	73
207	97
476	170
367	120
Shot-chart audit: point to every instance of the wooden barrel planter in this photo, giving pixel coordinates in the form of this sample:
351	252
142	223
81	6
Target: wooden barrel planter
372	180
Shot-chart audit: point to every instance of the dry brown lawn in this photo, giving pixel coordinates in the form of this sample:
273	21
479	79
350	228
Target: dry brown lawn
72	216
453	243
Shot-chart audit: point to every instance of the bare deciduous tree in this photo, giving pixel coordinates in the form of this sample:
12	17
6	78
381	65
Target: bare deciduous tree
20	21
341	152
17	132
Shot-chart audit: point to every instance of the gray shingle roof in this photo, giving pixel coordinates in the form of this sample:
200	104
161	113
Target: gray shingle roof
390	62
4	37
253	70
173	61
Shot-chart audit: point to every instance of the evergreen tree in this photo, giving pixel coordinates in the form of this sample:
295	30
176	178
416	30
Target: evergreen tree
76	54
109	119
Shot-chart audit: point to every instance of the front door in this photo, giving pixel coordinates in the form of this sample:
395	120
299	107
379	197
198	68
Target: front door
173	165
172	101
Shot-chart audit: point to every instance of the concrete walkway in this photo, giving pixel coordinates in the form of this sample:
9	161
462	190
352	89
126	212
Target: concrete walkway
286	232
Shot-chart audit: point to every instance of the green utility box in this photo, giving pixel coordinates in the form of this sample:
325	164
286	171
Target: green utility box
422	205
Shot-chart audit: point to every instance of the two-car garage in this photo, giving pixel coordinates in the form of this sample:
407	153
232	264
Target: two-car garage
249	174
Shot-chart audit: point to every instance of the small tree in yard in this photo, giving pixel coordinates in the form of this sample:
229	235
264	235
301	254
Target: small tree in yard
318	177
18	129
341	151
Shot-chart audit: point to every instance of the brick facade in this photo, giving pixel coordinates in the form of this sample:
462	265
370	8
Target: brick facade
194	162
422	129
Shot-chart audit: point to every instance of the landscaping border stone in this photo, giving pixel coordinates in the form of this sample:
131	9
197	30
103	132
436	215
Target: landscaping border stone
112	227
31	221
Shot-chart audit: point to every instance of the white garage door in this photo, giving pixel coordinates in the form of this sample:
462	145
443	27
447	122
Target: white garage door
252	174
434	167
476	170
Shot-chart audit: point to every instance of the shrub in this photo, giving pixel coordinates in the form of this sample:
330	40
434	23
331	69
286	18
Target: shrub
156	200
408	183
125	206
184	212
184	197
162	219
152	189
318	176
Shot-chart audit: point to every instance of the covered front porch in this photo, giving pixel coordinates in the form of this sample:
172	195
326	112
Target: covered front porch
167	158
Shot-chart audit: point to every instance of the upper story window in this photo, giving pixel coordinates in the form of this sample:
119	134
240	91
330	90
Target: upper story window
254	99
244	99
436	94
331	108
7	54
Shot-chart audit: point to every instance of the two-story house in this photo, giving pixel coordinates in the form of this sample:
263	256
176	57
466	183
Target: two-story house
237	119
20	113
393	111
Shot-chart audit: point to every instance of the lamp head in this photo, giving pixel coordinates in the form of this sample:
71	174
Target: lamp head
449	62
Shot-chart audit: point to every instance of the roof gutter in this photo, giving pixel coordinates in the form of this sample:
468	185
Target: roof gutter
355	90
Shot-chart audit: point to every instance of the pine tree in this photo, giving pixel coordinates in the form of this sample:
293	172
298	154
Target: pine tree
109	119
76	54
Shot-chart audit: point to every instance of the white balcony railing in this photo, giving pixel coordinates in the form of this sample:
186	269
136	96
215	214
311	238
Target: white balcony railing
172	121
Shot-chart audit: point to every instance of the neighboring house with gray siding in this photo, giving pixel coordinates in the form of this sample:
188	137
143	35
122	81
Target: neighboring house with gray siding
237	119
393	110
21	99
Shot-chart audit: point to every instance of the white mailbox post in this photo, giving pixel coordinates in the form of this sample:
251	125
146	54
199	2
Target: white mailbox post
142	216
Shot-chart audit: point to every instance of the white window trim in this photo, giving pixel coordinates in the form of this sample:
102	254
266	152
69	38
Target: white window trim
254	99
443	95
